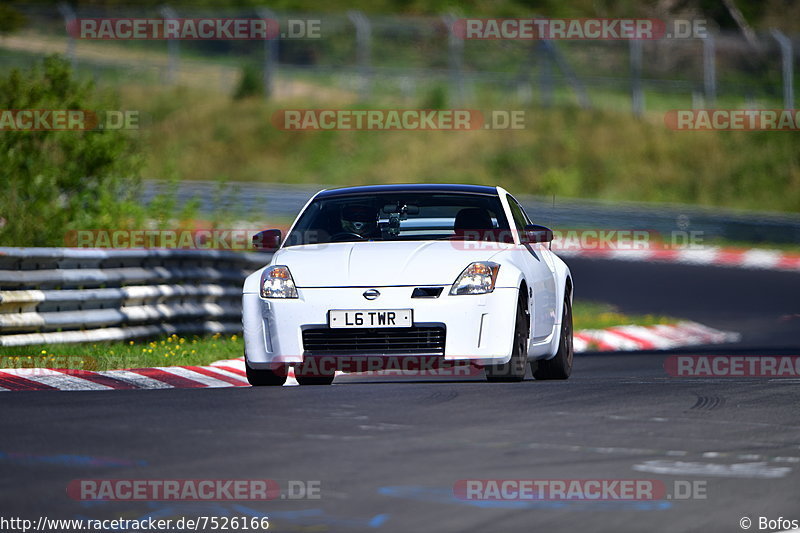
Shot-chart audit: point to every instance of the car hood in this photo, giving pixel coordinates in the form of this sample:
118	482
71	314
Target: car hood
378	263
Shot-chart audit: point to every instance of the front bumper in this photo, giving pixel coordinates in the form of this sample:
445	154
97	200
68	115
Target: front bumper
478	328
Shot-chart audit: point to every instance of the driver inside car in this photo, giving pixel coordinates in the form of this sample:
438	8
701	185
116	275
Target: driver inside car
360	220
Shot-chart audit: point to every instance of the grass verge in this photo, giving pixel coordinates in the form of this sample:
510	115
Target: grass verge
171	351
595	315
566	152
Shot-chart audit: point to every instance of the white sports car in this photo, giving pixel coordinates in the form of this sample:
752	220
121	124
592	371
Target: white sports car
451	273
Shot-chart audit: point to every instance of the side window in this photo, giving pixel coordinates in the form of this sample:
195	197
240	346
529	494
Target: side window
520	219
528	221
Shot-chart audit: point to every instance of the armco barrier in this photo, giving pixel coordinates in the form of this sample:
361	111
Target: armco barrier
65	295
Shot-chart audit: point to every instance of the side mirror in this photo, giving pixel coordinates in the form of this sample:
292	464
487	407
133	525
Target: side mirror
268	240
536	233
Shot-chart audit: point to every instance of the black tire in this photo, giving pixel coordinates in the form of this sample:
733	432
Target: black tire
560	366
264	377
514	370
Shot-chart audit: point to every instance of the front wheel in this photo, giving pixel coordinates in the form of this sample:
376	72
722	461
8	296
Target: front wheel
514	370
560	366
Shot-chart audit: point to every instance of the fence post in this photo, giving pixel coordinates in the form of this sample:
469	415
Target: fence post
637	97
524	82
270	53
709	70
172	46
363	52
545	73
69	20
569	75
455	61
787	55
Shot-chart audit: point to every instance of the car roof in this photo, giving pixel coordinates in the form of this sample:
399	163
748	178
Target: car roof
409	187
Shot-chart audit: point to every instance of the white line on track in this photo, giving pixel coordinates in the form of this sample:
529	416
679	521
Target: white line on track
194	376
56	379
137	380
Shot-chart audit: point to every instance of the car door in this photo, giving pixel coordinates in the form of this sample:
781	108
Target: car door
539	270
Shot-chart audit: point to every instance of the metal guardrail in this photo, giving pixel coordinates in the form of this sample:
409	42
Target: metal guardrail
62	295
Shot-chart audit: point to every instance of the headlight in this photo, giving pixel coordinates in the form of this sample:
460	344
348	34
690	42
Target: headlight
477	278
277	282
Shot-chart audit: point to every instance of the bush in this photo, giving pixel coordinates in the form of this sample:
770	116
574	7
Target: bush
250	84
10	19
436	98
62	180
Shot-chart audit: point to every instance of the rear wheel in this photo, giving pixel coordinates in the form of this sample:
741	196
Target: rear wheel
259	377
514	370
560	366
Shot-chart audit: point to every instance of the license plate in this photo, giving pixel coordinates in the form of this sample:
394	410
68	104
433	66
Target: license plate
370	318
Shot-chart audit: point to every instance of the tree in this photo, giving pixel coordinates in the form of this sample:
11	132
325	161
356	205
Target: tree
57	181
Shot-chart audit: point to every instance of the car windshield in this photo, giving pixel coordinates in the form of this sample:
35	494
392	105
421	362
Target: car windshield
399	216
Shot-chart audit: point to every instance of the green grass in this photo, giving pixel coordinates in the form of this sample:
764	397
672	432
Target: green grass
595	315
566	152
197	351
170	351
196	133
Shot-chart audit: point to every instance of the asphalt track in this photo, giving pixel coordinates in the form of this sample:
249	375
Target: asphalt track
387	453
762	305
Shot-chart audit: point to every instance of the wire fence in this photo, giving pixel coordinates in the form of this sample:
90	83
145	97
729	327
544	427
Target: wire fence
422	61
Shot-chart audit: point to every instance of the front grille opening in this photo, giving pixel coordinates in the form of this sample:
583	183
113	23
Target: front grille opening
377	341
426	292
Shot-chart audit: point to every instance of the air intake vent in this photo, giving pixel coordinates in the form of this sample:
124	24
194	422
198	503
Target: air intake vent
426	292
378	341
